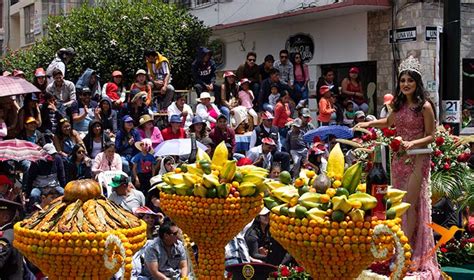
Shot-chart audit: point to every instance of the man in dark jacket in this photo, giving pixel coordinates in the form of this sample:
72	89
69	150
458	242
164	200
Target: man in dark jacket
204	72
50	114
266	88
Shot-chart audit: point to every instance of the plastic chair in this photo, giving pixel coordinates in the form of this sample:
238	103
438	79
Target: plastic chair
105	178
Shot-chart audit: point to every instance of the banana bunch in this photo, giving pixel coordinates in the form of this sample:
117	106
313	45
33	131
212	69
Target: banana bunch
216	177
394	203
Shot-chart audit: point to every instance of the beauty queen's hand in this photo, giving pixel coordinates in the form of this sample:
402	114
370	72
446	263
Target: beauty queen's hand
407	145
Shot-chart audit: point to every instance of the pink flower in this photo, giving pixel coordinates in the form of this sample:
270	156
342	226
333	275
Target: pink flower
433	164
439	141
285	272
395	145
446	166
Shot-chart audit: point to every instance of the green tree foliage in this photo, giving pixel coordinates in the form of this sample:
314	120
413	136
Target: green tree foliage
114	35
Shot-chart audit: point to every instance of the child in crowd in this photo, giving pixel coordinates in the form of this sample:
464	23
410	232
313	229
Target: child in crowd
141	84
274	95
246	98
349	114
275	171
325	105
144	165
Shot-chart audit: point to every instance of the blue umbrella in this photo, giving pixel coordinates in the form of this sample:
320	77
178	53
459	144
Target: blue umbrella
340	131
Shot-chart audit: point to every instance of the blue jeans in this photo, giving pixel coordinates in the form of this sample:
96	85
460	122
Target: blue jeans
126	164
24	166
35	196
283	133
226	112
302	92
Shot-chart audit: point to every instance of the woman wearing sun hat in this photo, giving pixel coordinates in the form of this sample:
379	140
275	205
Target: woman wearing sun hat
199	128
147	129
206	109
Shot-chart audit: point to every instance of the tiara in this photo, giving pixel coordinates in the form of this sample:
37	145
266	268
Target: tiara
411	64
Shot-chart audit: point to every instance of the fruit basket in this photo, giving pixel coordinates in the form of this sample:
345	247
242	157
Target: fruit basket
212	201
81	235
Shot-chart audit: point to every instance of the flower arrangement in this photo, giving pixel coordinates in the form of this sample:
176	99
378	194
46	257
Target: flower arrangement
448	151
289	273
457	251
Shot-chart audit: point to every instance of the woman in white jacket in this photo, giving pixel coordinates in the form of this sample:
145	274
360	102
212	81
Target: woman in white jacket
207	110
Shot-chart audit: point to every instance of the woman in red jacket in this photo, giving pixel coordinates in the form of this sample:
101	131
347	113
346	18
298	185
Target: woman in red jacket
282	117
325	105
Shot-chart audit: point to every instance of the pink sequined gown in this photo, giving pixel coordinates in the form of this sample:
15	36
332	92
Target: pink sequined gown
410	126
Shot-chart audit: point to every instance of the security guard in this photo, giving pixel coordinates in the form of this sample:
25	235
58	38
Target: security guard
11	261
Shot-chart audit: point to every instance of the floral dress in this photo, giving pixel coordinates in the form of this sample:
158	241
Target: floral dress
405	169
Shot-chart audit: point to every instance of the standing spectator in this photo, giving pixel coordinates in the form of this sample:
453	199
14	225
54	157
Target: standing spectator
39	81
115	90
285	67
296	146
249	70
136	107
228	98
246	98
180	108
325	106
305	117
125	142
206	109
107	160
386	108
125	195
222	132
328	79
282	117
64	90
165	257
352	89
174	130
66	138
83	111
63	57
78	165
159	77
265	67
144	165
266	89
142	85
90	79
10	114
107	115
301	79
95	139
204	72
50	114
30	109
147	129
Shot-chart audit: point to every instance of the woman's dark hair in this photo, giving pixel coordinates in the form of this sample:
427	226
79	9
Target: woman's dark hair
420	95
327	70
108	145
102	112
301	65
202	133
59	131
74	152
230	90
283	94
165	228
26	111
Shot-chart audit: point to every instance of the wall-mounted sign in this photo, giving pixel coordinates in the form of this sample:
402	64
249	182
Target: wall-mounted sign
402	35
451	111
431	33
302	43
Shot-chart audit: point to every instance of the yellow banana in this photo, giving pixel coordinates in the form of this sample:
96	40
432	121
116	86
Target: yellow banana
183	189
316	214
200	190
193	169
200	155
400	209
220	155
210	180
352	177
309	200
247	189
176	179
228	170
341	203
256	179
335	166
395	195
190	179
272	184
287	194
368	201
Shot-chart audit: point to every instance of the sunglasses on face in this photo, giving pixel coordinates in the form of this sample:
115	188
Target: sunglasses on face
251	60
283	56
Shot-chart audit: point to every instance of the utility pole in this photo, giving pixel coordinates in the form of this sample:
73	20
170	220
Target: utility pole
450	65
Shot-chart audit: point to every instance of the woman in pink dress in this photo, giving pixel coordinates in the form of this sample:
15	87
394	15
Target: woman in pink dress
413	117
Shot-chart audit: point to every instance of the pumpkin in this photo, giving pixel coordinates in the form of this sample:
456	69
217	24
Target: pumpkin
82	189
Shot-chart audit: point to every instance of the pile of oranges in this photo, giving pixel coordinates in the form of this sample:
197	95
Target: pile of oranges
336	250
211	223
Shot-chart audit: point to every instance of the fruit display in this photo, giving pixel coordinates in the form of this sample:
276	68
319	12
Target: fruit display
325	222
212	201
81	235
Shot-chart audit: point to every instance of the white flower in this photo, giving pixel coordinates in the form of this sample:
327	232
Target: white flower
124	17
146	18
58	25
113	42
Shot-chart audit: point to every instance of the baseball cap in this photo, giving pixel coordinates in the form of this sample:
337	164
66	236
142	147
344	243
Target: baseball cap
244	80
228	74
267	116
305	113
144	210
127	118
118	180
222	116
4	180
116	73
30	120
354	70
40	73
268	141
359	114
325	88
297	122
140	71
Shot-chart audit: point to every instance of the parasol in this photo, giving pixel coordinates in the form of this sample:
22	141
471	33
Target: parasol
11	86
15	149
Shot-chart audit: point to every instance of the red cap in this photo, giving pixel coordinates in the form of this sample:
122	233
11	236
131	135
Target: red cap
268	141
5	181
267	116
116	73
144	210
324	89
354	70
244	161
18	73
40	72
228	74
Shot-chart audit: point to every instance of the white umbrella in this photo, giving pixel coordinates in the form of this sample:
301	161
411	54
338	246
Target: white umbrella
176	147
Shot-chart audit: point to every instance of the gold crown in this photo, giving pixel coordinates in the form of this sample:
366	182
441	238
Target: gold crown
411	64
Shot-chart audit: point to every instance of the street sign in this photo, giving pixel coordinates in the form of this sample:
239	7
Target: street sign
402	35
451	111
431	33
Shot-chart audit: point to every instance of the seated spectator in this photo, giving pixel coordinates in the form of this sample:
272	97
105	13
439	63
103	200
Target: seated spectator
39	81
272	98
305	117
10	114
144	165
166	165
50	114
352	89
90	79
115	90
7	190
125	142
282	117
250	70
31	134
78	165
174	130
159	76
152	219
180	108
222	132
349	114
258	236
30	109
199	128
296	146
142	85
275	171
265	90
125	195
316	160
262	155
246	98
326	107
203	70
337	117
64	90
147	129
265	67
107	116
66	138
48	194
359	117
83	111
165	257
107	160
95	139
236	251
207	110
327	79
136	107
285	67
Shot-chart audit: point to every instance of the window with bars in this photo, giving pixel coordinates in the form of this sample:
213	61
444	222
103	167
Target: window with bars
29	23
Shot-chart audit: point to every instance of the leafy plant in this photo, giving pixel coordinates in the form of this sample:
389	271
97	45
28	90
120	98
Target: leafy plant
114	35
